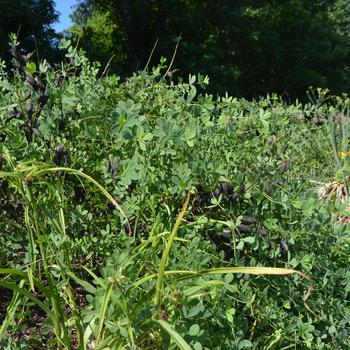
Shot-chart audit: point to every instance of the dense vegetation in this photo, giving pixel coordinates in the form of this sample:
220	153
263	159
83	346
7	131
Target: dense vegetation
139	214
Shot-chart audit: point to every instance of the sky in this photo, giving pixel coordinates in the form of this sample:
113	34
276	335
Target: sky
64	7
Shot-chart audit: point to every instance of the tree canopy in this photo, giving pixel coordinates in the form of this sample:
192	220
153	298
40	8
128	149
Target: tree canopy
31	20
247	47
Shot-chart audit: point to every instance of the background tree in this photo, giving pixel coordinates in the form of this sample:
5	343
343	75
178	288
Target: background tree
247	47
31	20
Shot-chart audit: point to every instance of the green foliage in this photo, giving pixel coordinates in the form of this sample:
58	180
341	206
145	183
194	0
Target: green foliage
31	21
248	48
101	39
94	246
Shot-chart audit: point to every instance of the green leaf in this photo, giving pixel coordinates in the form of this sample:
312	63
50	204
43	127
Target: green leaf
176	337
249	239
194	330
245	344
30	67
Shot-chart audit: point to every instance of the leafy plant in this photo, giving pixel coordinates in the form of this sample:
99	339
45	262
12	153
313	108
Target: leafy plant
96	248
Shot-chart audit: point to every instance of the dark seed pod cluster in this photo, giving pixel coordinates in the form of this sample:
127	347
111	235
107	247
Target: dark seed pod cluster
246	225
112	167
79	193
61	156
20	59
202	197
223	242
35	98
58	80
226	190
13	114
12	207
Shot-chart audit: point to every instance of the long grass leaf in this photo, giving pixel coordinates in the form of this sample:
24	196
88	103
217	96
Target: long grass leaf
163	261
103	311
277	271
22	291
176	337
11	309
88	286
41	170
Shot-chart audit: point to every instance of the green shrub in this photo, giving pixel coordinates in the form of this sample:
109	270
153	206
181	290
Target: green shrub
93	174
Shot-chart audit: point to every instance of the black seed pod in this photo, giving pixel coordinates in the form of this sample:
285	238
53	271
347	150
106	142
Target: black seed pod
226	236
30	79
115	165
58	80
241	188
284	166
79	193
110	204
272	144
107	165
222	242
59	150
262	231
258	169
61	125
41	85
59	153
66	159
225	187
18	57
234	197
42	100
213	235
280	182
30	111
243	229
132	186
267	188
37	133
27	95
284	248
247	220
11	114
